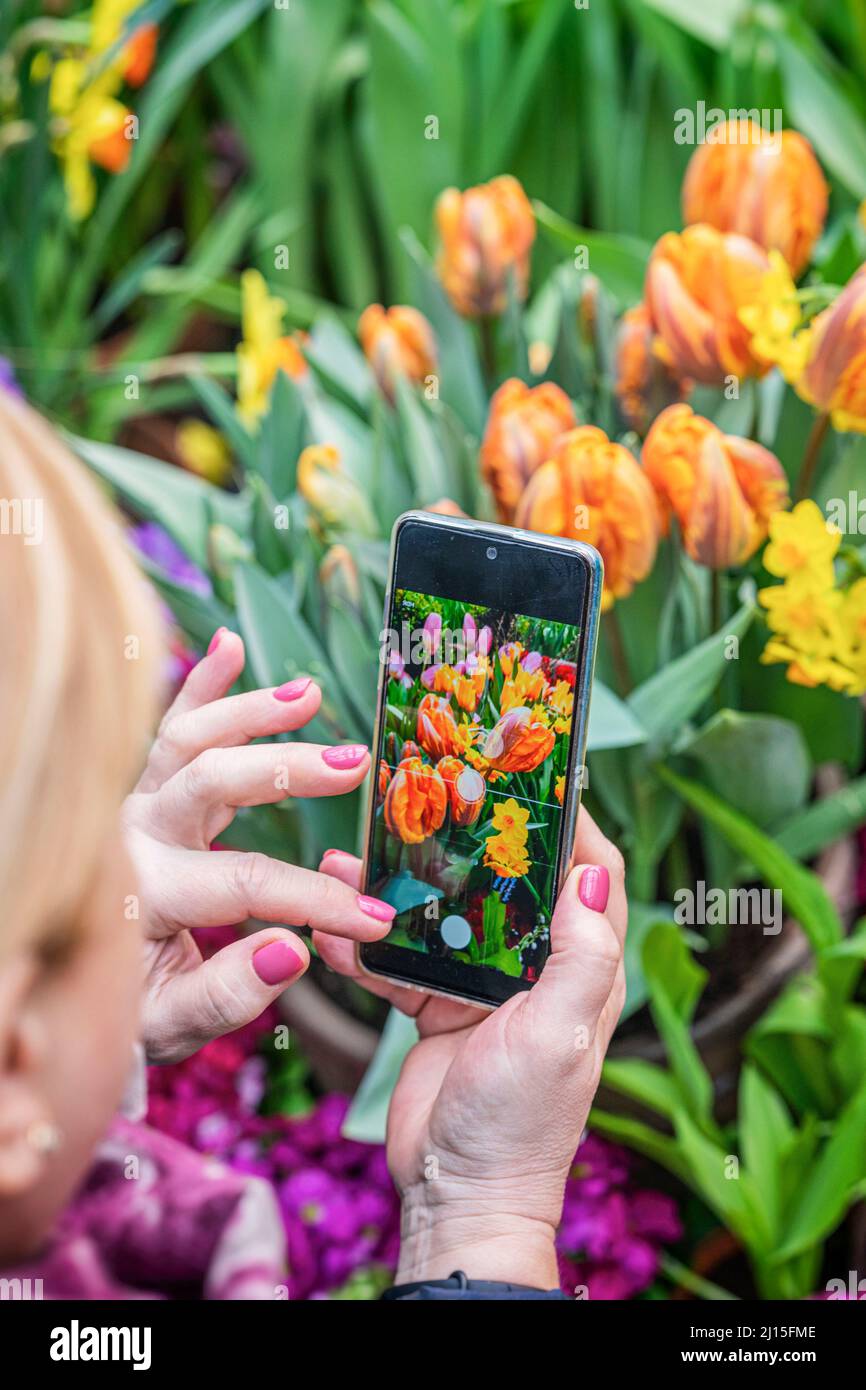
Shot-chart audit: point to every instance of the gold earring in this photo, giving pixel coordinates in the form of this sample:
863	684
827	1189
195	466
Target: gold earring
44	1137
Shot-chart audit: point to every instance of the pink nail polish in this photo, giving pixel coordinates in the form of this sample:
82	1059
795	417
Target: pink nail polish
344	755
277	963
292	690
374	907
593	887
216	639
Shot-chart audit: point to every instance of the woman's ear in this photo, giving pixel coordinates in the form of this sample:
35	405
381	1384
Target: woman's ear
28	1134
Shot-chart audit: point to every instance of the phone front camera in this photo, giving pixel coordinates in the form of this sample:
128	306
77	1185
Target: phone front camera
491	552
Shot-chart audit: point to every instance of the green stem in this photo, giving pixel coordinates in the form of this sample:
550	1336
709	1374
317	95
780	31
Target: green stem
715	600
810	457
618	652
488	349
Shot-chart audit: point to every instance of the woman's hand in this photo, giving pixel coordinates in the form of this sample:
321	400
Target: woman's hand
200	770
489	1108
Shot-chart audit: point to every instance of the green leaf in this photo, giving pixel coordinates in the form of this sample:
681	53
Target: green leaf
833	818
765	1130
460	381
803	893
282	436
818	105
415	71
368	1113
830	1184
642	1081
221	408
423	451
713	24
675	982
156	491
611	722
667	699
504	123
352	651
735	1198
197	614
661	1148
339	361
759	763
672	970
618	261
278	642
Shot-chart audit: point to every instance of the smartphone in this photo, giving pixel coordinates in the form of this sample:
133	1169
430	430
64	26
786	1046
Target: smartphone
486	663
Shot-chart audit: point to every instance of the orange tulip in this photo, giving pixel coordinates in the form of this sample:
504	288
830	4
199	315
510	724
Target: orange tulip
415	802
722	490
466	790
139	53
436	728
697	281
486	235
523	426
645	384
834	375
518	742
768	187
384	777
593	490
397	342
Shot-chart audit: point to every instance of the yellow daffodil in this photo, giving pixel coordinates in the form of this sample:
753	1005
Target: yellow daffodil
91	125
802	541
818	629
265	349
505	852
92	129
774	317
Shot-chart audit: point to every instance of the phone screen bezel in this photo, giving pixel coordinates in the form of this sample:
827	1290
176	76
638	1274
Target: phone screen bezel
535	575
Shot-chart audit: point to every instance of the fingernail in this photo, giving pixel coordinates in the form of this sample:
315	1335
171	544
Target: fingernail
345	755
277	963
593	887
374	907
216	639
333	851
292	690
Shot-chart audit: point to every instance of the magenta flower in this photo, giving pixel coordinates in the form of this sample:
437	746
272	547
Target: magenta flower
432	632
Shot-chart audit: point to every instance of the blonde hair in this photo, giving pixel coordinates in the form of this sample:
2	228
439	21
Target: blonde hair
80	654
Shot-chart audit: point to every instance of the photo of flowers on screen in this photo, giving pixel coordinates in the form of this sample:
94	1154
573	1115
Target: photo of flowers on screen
471	779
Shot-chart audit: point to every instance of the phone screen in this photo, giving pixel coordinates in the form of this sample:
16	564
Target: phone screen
474	758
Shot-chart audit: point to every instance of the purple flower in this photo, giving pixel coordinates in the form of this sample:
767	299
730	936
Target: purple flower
531	662
611	1232
8	382
485	641
153	541
432	632
397	670
428	675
